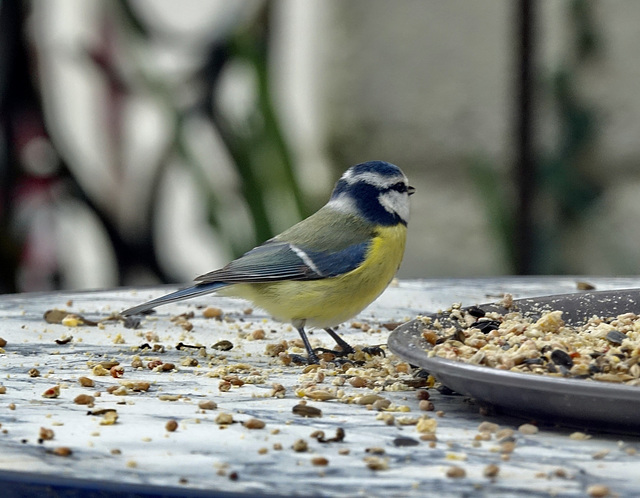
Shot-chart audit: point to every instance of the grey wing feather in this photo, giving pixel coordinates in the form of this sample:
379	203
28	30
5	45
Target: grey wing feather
269	262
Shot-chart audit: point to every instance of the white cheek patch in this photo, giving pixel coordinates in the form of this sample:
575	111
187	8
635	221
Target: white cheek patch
395	203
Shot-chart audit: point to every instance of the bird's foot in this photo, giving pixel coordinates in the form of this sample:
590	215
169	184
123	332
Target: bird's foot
341	353
374	351
298	359
335	352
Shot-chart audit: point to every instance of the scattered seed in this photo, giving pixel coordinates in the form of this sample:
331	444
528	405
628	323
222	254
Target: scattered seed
110	417
46	434
254	423
117	371
376	450
54	315
491	470
223	345
99	371
581	285
599	455
319	461
598	490
427	425
63	451
579	436
391	325
476	312
86	382
84	399
506	434
376	463
136	385
561	358
405	441
368	399
224	419
171	425
426	405
486	326
277	390
207	405
381	404
528	429
307	411
358	381
275	349
52	392
488	427
456	472
320	394
212	312
319	436
257	335
616	337
300	446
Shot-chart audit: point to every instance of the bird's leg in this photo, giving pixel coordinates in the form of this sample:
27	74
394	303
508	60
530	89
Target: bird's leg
312	357
346	348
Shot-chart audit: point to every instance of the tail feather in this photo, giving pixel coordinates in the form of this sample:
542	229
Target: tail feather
179	295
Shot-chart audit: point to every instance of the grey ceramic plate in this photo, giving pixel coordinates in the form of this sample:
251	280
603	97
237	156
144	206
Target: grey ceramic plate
564	401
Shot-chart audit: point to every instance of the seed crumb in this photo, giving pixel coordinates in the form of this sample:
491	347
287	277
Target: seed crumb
456	472
598	490
300	446
528	429
491	470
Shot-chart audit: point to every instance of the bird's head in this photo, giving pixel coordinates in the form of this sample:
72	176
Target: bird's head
377	190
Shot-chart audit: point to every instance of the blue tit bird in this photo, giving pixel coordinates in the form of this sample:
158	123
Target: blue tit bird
327	268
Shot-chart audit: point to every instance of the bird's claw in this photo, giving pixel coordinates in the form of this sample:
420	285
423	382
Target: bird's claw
374	351
298	359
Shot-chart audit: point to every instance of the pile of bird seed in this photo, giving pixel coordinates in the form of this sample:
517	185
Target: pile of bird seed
603	349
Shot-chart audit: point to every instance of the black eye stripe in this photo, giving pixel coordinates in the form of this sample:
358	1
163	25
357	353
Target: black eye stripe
399	187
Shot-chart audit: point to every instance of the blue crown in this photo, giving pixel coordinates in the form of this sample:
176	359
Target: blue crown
382	168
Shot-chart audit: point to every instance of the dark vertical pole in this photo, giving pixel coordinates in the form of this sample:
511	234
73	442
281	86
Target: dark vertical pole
525	161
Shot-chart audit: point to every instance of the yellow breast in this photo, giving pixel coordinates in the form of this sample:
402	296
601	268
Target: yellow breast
329	302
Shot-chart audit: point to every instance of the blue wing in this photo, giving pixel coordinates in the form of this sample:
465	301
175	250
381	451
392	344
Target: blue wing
277	260
270	262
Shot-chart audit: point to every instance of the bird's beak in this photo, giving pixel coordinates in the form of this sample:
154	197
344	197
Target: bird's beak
411	190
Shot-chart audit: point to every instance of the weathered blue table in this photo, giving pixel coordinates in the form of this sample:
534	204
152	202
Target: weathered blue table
166	416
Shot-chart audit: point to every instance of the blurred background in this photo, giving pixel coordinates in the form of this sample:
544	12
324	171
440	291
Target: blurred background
149	141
